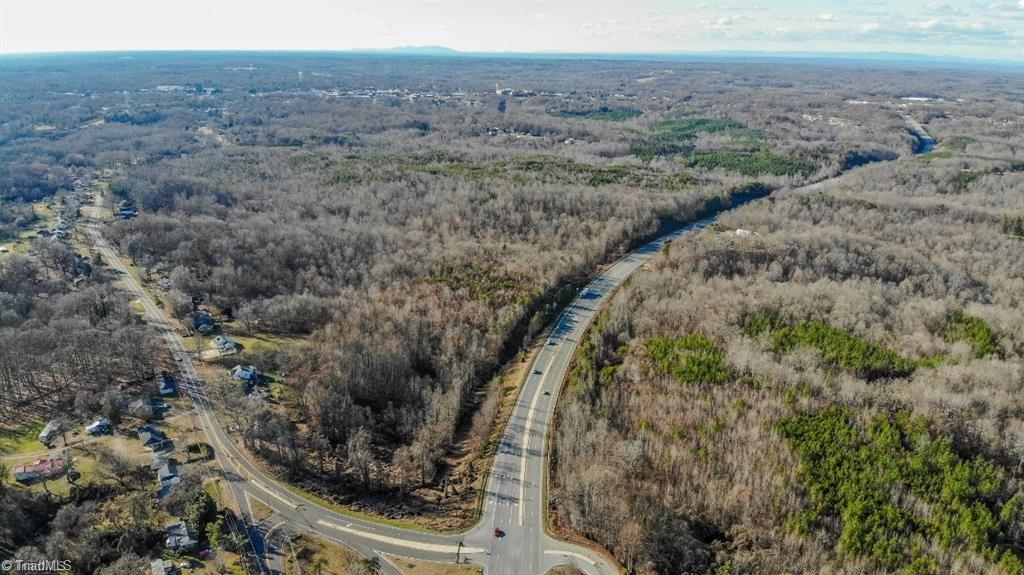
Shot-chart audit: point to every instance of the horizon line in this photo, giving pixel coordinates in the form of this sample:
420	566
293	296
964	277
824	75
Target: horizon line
443	51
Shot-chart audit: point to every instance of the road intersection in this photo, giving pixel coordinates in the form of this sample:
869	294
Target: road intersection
515	498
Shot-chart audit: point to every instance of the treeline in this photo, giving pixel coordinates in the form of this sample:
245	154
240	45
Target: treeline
413	227
57	342
834	391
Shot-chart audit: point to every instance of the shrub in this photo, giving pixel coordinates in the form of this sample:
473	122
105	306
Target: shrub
984	340
690	358
838	348
750	163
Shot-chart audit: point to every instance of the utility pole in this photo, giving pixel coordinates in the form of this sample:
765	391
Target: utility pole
458	553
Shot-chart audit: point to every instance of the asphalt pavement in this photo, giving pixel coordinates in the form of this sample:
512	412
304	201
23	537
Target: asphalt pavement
515	495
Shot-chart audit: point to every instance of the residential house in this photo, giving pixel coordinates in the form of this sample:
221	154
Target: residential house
203	322
141	408
152	438
179	536
167	474
49	434
246	373
40	469
224	345
165	384
158	460
98	427
162	567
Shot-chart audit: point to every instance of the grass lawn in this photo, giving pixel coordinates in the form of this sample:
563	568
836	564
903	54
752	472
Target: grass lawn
23	241
311	555
565	570
256	340
260	511
15	439
210	566
216	492
416	567
350	513
80	457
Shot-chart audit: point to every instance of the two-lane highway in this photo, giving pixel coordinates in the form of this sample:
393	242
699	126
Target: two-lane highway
516	502
515	497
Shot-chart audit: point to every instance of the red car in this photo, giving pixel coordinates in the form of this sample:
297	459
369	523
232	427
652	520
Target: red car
497	532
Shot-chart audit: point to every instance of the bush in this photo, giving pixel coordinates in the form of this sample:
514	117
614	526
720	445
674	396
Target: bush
750	163
837	347
604	113
200	509
984	340
962	181
690	358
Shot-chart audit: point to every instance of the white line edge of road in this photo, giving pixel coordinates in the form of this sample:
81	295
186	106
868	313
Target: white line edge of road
100	245
430	547
526	434
571	554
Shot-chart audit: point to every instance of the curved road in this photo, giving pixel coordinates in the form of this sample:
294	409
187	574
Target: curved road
514	501
515	493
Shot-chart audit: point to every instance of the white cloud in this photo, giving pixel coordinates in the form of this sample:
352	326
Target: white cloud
830	17
940	6
869	27
928	24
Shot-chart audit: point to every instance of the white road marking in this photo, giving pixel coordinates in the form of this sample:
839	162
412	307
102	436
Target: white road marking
526	434
271	492
431	547
571	554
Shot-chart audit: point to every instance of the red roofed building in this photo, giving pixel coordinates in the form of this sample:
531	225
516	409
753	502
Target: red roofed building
41	469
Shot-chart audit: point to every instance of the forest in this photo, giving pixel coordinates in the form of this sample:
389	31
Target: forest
835	387
399	230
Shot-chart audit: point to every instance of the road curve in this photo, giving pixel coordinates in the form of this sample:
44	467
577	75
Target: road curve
514	500
515	494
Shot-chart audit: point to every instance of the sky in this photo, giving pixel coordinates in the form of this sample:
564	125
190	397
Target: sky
989	29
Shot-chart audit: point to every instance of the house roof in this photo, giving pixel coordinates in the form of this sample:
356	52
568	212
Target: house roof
178	536
149	435
51	426
40	467
161	567
221	342
165	383
166	472
98	424
246	372
158	460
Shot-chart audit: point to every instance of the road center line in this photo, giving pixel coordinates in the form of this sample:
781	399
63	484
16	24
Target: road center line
529	424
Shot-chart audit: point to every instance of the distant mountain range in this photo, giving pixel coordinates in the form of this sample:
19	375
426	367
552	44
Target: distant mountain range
890	57
894	59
